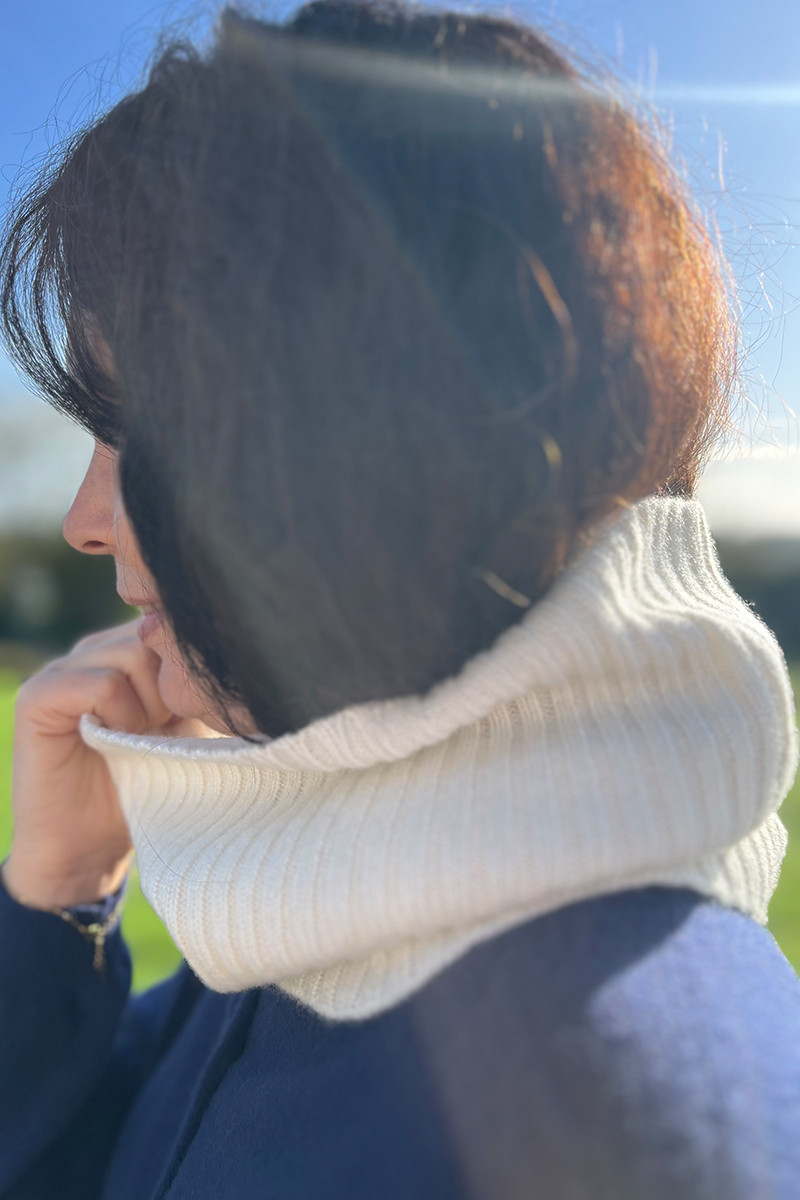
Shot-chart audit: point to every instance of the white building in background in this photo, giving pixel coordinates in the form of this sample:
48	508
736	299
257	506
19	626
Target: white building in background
43	457
754	495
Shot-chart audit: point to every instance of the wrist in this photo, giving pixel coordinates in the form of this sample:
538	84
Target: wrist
36	887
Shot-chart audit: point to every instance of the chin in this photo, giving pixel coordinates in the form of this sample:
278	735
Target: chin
177	693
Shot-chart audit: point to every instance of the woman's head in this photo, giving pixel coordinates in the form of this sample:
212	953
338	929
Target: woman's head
398	304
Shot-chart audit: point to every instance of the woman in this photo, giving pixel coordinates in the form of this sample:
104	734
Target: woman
450	758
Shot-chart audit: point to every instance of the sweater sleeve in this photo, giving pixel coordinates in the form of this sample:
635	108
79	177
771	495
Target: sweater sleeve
73	1051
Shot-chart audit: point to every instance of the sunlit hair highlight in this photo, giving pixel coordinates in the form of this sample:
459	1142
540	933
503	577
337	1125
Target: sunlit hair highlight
400	303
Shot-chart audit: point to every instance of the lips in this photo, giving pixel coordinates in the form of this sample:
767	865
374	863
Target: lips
152	612
152	621
139	601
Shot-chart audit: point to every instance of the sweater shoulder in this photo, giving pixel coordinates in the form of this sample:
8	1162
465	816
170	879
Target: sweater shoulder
652	948
648	1041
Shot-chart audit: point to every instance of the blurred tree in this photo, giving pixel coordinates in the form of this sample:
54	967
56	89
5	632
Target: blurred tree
50	595
767	574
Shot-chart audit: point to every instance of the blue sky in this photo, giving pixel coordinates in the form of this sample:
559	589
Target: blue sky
724	73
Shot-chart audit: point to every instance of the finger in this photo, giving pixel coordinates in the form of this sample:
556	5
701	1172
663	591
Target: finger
128	654
53	703
101	637
118	704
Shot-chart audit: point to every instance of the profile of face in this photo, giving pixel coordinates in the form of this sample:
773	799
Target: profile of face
97	523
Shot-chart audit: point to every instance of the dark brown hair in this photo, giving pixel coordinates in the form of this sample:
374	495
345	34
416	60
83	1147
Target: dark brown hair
400	302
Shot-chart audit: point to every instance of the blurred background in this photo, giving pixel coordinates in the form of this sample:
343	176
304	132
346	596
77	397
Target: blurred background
727	91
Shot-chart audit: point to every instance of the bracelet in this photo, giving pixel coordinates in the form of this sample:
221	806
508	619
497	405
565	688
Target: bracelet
95	931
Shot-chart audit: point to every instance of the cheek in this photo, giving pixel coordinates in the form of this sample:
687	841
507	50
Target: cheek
129	557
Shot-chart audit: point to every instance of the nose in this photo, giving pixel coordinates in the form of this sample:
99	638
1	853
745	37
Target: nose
89	523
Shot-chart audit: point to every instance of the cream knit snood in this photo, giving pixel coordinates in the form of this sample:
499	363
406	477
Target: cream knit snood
636	727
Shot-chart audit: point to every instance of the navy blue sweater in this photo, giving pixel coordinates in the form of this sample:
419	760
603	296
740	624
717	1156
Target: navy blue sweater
640	1046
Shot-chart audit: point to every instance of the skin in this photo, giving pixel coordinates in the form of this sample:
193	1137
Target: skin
71	842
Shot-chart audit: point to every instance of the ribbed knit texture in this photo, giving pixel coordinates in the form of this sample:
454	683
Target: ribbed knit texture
636	727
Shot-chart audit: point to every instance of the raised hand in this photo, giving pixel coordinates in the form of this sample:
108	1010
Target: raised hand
71	843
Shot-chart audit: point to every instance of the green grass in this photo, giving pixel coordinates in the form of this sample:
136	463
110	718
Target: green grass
784	909
154	955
